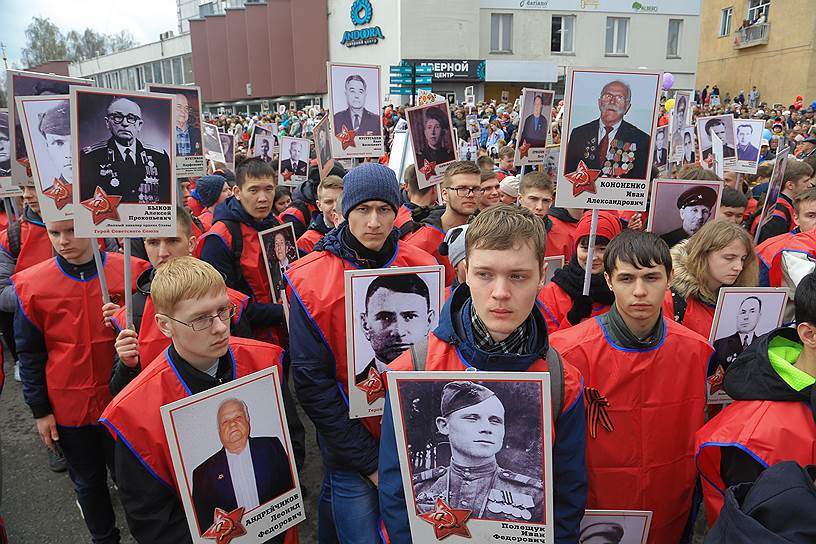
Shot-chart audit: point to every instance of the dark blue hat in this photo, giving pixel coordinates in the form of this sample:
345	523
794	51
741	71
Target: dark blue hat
209	189
370	181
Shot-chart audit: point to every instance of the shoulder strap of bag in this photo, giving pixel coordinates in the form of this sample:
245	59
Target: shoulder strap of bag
14	233
556	368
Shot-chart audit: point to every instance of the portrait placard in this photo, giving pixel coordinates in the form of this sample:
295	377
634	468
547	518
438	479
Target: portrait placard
432	138
551	160
534	123
472	123
468	151
6	187
322	143
228	145
615	526
264	144
293	163
742	314
279	249
270	131
554	264
20	83
608	127
660	155
447	422
387	311
125	180
683	111
717	158
402	154
46	125
354	103
774	188
679	208
242	416
689	145
212	143
190	160
723	127
749	140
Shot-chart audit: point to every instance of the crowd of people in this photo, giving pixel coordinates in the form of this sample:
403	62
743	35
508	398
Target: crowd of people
632	429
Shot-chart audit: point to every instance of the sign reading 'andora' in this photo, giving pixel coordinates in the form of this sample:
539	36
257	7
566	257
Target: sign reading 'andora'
361	12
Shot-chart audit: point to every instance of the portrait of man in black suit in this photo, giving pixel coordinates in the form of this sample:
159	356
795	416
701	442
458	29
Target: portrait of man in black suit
293	163
695	207
262	148
661	154
124	165
746	151
356	117
247	471
717	126
535	128
689	155
397	314
610	143
728	348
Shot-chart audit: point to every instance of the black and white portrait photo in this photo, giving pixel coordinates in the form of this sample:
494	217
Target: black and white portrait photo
263	147
689	145
551	155
20	83
280	251
228	145
661	148
774	188
5	146
749	140
189	147
681	208
615	527
293	168
433	140
354	96
723	127
322	143
231	450
212	143
536	110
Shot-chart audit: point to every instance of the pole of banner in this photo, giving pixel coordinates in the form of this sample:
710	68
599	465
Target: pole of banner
14	207
590	251
9	210
100	271
128	286
438	194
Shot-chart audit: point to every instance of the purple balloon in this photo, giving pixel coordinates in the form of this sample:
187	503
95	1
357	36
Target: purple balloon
668	80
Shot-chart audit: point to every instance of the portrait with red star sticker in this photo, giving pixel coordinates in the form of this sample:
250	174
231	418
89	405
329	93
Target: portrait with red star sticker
60	192
103	206
447	521
356	110
535	114
293	165
583	179
433	140
226	526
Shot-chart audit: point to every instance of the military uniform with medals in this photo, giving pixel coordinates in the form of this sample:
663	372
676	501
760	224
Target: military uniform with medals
626	153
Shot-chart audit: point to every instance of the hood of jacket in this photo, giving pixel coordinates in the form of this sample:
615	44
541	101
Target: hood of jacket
319	224
683	282
333	243
231	210
563	215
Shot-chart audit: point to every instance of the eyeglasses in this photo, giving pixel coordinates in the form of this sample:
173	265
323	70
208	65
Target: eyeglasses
130	118
465	191
609	97
205	322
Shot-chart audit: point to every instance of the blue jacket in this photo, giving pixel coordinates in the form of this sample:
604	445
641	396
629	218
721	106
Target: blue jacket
569	463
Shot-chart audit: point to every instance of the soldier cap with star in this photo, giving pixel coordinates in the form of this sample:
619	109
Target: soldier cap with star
607	529
697	196
57	120
458	395
4	125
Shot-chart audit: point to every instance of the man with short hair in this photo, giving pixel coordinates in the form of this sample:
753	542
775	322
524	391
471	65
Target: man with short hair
188	140
640	443
728	348
55	127
804	215
328	193
492	323
506	166
717	126
732	206
293	164
661	153
745	149
536	194
489	194
797	179
695	206
535	129
264	147
486	163
417	198
356	117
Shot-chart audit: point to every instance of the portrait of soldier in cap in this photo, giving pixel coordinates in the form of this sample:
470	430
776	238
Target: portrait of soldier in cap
695	206
54	126
5	145
472	418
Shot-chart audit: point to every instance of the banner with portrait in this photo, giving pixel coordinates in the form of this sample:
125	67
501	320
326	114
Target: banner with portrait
244	416
679	208
354	104
123	146
608	130
723	127
387	311
190	160
265	141
279	248
228	145
774	188
433	140
213	150
680	119
748	134
491	429
293	164
322	144
6	187
534	126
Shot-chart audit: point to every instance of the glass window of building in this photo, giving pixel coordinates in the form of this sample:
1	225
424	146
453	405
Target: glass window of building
563	31
757	9
178	76
188	69
673	42
501	33
168	71
617	30
725	21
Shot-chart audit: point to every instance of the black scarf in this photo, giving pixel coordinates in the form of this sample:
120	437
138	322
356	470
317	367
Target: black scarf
376	259
571	280
622	336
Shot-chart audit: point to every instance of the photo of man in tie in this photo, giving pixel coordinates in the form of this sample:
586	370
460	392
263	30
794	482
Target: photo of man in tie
535	126
356	117
728	348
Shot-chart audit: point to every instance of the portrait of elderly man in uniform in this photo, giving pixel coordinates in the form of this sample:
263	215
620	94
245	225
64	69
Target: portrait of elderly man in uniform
54	126
5	146
472	418
729	347
247	471
294	163
695	206
397	315
124	165
610	143
356	117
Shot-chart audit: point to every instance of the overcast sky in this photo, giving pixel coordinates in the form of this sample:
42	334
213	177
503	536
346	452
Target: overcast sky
144	19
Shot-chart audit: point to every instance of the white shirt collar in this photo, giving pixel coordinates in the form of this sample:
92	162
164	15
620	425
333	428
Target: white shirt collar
122	148
602	129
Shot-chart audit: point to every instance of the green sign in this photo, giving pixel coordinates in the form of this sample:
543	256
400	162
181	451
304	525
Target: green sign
401	80
400	90
423	80
423	70
400	70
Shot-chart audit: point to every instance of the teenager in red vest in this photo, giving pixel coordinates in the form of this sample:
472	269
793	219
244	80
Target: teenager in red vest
493	324
772	418
645	390
803	243
417	198
348	511
236	224
192	310
460	191
210	191
328	194
66	354
804	215
562	300
797	179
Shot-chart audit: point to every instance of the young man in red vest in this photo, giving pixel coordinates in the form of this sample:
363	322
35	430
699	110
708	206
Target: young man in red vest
460	191
233	248
328	193
797	179
417	198
348	511
192	310
804	215
772	417
66	353
492	323
645	389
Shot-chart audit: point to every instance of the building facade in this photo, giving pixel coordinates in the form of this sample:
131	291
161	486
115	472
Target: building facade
759	42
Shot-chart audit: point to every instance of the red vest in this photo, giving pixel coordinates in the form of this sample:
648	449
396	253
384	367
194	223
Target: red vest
657	402
195	206
151	340
206	218
767	250
561	239
308	240
403	216
804	242
325	302
80	347
428	239
769	431
297	214
555	303
699	315
35	246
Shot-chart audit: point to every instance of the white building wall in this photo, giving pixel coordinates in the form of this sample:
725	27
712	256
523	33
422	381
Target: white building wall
173	47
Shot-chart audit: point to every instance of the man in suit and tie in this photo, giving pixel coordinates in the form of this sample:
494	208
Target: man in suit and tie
293	163
610	144
264	150
247	472
355	117
728	348
661	155
745	150
534	131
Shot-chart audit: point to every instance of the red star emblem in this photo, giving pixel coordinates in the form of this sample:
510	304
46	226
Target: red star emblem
27	164
287	174
373	386
226	526
428	168
715	381
346	137
103	206
524	150
60	192
583	179
447	521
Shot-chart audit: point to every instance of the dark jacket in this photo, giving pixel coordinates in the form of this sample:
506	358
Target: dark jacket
569	469
779	508
780	222
370	123
584	145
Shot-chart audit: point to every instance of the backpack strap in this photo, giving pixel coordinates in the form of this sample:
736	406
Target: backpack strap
139	301
234	228
556	369
14	233
419	354
199	225
680	304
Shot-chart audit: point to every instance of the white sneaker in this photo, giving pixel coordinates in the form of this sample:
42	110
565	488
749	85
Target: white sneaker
17	370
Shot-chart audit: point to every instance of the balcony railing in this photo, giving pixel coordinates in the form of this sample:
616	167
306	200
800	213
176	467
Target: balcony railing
752	35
